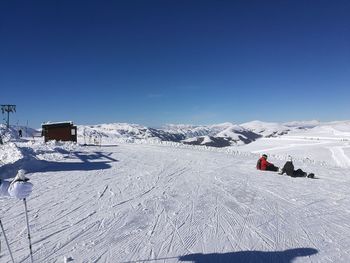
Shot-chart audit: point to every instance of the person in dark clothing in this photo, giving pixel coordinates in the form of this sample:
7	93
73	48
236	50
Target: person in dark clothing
263	164
20	133
288	168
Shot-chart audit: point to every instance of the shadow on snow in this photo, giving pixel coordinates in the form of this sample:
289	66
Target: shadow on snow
286	256
86	162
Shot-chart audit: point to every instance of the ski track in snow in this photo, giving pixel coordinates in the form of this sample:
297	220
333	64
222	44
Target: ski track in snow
340	157
159	203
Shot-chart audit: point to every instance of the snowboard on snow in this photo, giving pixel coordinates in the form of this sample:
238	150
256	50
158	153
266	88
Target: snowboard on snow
311	175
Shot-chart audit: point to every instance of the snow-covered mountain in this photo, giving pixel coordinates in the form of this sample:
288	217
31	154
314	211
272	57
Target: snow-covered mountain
236	133
189	131
208	141
267	129
222	135
126	132
219	135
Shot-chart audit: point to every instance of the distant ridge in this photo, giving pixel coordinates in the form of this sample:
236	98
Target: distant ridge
218	135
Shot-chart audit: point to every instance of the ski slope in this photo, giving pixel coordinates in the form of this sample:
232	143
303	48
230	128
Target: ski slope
331	150
159	203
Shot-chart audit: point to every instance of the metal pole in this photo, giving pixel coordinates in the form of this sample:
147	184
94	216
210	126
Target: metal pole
8	108
30	242
7	243
8	120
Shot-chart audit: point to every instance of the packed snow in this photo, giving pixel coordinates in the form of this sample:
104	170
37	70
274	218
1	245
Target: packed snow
134	197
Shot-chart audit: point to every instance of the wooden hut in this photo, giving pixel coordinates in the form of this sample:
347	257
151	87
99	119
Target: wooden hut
59	131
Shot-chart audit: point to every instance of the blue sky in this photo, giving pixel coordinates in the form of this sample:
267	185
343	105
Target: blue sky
184	61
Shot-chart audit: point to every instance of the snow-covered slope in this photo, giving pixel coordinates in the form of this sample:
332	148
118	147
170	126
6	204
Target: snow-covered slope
138	203
326	142
12	132
331	130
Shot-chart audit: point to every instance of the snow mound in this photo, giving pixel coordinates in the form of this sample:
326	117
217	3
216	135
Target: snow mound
9	153
8	133
32	157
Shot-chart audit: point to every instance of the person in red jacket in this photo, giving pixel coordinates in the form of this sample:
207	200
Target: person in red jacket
263	164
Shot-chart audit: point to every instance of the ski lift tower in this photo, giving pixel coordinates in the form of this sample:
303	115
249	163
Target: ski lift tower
8	108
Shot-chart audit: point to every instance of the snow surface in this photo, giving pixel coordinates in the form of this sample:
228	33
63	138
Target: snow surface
153	201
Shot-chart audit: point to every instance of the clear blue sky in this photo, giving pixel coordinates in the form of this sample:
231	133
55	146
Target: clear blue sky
184	61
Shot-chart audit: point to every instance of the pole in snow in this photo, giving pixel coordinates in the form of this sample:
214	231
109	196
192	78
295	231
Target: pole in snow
30	242
7	243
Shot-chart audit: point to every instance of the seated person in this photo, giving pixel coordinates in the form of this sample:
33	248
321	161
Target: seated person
263	164
288	168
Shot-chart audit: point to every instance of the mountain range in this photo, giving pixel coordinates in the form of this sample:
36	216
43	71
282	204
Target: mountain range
218	135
